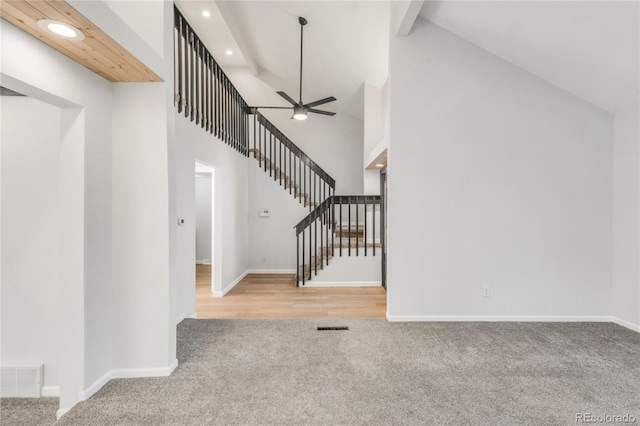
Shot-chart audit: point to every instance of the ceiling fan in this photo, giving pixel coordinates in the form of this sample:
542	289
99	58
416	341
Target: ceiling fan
300	110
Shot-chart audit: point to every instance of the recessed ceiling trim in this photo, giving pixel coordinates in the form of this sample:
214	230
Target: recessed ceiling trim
98	52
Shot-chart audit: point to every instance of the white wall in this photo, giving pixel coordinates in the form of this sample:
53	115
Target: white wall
145	17
140	231
31	234
272	240
626	218
231	252
496	178
86	178
373	132
203	217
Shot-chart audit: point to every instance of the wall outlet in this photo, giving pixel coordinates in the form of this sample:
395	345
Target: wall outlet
486	291
264	213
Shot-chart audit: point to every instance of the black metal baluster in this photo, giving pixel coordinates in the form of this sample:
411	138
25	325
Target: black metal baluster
298	259
192	68
304	185
280	154
333	226
315	244
326	231
321	244
207	87
198	84
270	153
303	260
365	225
349	224
187	59
340	235
310	253
179	62
309	193
374	229
255	124
264	143
357	226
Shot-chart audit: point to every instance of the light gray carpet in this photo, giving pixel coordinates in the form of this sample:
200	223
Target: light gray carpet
283	372
28	411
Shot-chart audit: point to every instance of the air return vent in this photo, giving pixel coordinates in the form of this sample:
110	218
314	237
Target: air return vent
21	381
332	328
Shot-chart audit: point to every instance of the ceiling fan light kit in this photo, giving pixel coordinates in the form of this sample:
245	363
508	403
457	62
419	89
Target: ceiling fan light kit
301	110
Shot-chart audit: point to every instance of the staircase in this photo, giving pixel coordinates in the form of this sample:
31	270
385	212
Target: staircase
289	165
336	225
348	225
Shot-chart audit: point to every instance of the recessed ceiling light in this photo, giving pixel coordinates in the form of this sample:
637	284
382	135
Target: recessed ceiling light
206	13
61	29
229	52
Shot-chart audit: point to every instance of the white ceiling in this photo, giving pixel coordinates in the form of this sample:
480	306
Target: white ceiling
212	30
345	44
588	48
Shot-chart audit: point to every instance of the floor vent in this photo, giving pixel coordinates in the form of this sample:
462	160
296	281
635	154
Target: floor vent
332	328
22	381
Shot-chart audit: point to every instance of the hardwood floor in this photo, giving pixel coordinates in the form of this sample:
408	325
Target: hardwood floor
276	296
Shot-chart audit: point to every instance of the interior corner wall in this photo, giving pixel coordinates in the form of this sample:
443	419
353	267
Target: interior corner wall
373	133
86	101
231	209
31	234
626	218
497	179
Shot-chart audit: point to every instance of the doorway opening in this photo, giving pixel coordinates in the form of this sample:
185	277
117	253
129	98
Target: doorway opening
205	205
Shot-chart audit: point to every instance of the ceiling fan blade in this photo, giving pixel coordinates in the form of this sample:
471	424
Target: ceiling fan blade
320	102
288	98
319	111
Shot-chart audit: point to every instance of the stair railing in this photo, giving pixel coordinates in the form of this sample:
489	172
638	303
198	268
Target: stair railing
289	165
362	232
204	92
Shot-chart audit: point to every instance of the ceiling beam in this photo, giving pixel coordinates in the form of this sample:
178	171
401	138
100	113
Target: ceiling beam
225	8
404	15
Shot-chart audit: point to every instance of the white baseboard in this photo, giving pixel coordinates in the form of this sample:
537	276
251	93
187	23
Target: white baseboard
627	324
180	318
194	315
271	271
129	373
496	318
203	262
96	386
50	391
341	284
228	288
124	373
61	412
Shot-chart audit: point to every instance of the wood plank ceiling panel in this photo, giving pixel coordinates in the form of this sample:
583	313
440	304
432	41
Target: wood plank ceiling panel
98	52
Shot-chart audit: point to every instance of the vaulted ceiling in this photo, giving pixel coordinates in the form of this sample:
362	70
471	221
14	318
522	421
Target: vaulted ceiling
345	44
588	48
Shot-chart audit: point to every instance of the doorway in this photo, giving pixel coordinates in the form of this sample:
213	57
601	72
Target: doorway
205	195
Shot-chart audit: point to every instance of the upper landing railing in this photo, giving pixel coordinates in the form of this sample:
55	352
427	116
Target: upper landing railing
204	92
